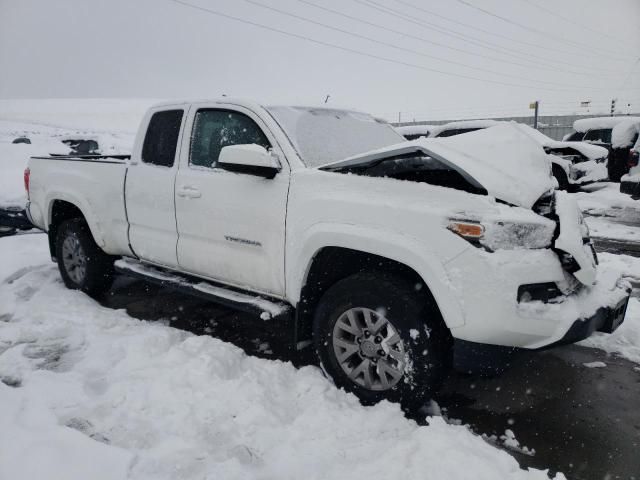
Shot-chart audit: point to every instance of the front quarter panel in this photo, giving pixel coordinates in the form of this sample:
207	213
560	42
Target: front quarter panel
399	220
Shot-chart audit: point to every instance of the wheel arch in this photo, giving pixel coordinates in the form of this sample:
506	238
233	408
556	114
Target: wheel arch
333	262
61	209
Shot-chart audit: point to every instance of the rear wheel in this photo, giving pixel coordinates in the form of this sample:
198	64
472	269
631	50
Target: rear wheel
83	265
380	339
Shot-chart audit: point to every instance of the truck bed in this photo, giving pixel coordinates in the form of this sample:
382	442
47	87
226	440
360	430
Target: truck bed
93	183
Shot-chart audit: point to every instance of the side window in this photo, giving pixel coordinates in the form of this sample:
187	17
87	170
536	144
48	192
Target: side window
600	135
161	140
575	137
215	129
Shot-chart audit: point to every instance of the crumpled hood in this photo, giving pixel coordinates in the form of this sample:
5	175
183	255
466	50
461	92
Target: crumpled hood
502	159
592	152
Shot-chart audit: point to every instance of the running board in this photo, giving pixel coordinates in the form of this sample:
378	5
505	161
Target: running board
265	308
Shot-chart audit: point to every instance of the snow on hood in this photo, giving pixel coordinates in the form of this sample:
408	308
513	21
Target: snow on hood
597	123
592	152
415	129
502	159
464	124
625	133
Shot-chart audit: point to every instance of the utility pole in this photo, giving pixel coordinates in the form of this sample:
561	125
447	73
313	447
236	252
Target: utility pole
399	117
534	106
613	106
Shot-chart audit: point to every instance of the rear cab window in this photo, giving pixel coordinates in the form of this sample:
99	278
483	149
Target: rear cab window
214	129
161	140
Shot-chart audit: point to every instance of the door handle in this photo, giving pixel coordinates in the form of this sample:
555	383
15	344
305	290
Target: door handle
187	191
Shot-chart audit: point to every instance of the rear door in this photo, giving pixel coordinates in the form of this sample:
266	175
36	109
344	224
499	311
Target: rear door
149	188
231	225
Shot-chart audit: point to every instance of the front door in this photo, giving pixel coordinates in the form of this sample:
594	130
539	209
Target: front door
231	226
149	189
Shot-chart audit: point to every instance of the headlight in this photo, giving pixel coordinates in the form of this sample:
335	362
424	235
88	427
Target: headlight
505	235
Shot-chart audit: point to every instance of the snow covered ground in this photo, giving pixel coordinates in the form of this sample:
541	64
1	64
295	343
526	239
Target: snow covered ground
112	123
609	213
89	392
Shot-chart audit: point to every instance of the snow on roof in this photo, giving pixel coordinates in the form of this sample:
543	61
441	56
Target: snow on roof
597	123
625	133
464	124
592	152
415	129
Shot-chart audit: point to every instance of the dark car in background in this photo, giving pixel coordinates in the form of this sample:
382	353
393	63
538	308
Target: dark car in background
599	131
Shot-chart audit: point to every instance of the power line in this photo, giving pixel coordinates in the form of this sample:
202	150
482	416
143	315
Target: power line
532	29
487	32
443	45
355	51
462	36
570	20
391	45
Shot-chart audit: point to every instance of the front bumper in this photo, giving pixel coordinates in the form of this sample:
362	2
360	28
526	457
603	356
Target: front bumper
605	320
487	284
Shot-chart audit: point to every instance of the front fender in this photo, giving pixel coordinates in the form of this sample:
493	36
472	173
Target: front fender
409	251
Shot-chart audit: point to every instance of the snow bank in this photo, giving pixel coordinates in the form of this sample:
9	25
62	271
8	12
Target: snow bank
596	123
625	134
145	401
626	340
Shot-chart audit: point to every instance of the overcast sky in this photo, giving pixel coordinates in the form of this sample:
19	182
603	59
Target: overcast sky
420	63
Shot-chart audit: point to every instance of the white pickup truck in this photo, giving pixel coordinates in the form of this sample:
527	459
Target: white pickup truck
380	259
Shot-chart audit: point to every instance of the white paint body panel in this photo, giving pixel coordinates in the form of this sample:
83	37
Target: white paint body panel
262	234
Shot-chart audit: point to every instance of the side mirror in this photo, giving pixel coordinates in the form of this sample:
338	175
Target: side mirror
251	159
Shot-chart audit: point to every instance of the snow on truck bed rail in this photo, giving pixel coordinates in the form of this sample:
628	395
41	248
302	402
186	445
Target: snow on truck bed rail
97	394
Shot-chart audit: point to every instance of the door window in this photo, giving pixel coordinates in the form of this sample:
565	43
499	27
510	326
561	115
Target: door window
215	129
161	140
602	135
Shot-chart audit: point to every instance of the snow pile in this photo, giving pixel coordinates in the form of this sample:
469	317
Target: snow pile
601	201
625	341
625	134
595	365
140	400
598	123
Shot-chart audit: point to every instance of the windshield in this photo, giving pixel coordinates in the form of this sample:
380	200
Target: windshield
323	135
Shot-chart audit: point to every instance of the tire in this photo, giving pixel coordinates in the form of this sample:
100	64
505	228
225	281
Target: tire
340	319
82	263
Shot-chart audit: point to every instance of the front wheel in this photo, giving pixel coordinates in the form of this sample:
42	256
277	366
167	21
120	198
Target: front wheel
82	263
378	337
